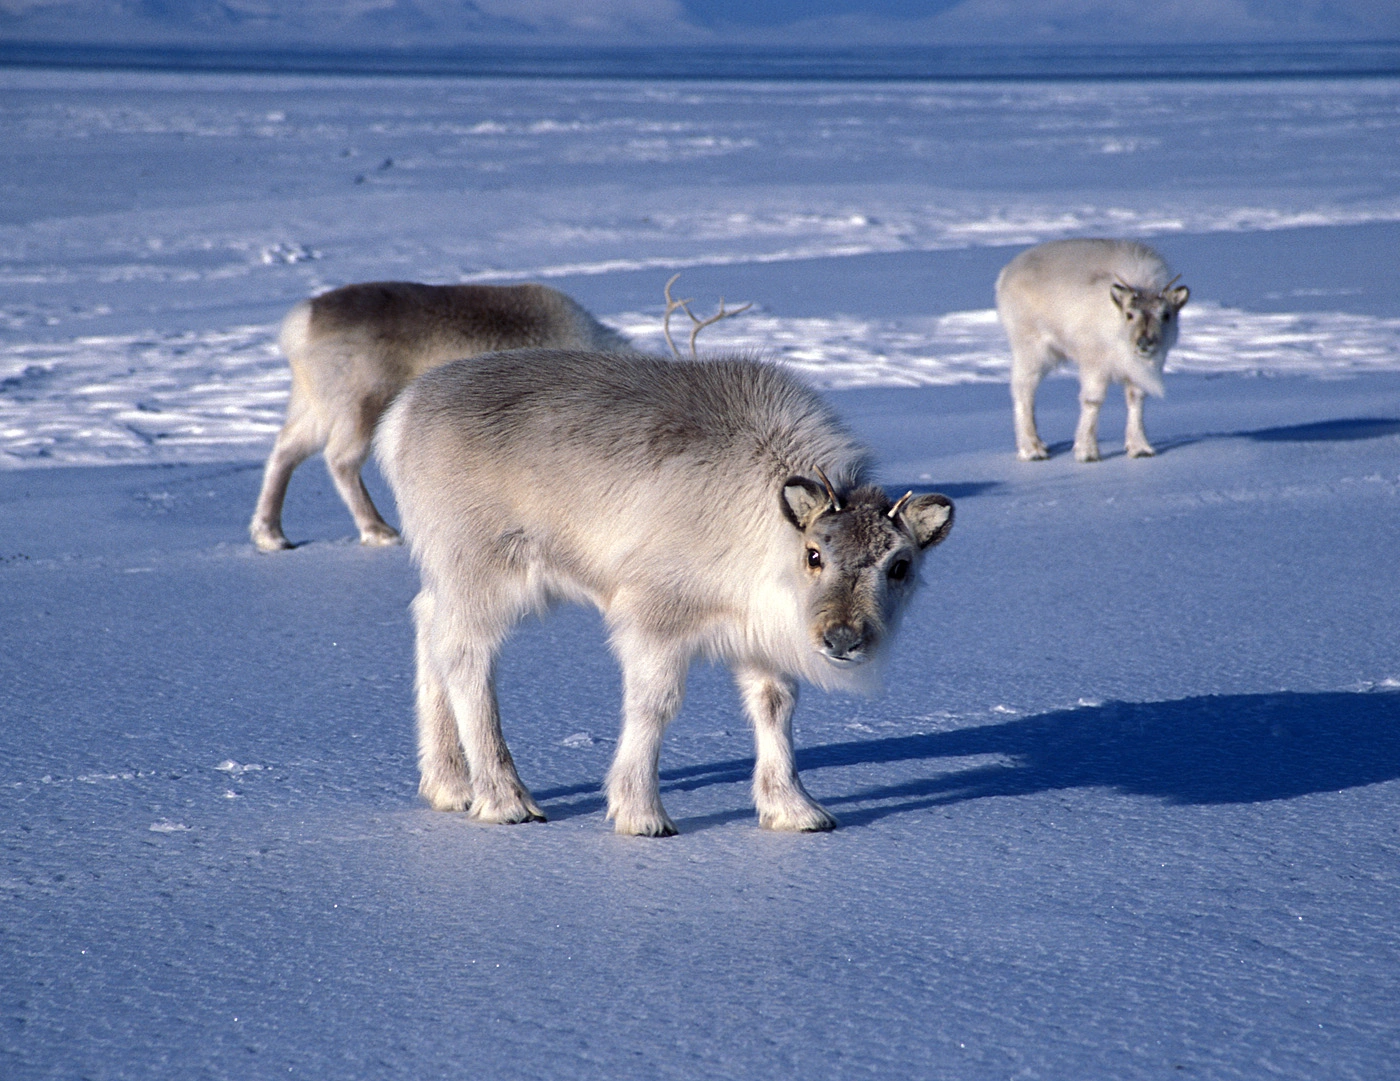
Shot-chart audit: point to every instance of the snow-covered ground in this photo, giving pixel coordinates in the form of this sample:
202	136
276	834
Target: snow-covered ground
1128	807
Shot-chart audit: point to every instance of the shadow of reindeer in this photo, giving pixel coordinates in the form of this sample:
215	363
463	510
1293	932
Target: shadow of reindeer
1344	430
1214	749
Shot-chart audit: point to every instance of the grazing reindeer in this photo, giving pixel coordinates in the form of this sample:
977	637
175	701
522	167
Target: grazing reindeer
1106	305
689	502
352	350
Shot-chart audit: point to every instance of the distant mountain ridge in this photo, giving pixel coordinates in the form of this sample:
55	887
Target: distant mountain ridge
417	26
1311	60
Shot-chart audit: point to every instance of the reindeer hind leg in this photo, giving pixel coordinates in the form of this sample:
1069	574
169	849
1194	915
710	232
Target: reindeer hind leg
1028	366
444	780
347	449
299	438
463	637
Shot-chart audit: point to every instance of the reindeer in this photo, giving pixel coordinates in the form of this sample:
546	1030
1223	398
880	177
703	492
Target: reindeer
352	350
709	508
1106	305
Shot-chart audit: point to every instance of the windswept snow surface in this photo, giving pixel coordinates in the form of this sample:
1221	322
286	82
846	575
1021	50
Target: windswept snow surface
1127	809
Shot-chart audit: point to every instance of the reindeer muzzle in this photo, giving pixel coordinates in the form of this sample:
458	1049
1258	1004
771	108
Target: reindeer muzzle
846	644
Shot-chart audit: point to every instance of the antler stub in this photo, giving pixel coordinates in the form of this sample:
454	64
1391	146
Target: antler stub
830	491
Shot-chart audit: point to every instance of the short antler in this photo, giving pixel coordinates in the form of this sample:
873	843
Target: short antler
699	324
830	491
899	504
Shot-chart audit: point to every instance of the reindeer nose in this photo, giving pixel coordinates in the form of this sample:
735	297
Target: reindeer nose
843	640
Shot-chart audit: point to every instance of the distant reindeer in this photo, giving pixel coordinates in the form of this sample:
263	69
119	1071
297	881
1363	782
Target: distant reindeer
1110	307
689	502
352	350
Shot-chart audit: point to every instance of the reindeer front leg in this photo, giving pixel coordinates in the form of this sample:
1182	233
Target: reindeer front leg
1092	388
1135	440
782	802
653	684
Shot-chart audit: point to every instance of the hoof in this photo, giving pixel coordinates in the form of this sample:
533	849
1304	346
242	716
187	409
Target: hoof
449	794
380	537
507	812
267	540
811	818
649	825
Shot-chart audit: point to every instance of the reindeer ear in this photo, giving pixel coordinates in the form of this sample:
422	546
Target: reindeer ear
1122	295
1178	297
930	517
802	500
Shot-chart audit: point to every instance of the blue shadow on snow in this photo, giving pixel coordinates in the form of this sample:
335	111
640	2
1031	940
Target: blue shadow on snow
1207	750
1329	431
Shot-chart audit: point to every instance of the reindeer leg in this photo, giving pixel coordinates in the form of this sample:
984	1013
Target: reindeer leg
1029	363
653	684
297	441
442	768
1135	441
782	802
1029	447
1092	388
346	452
463	646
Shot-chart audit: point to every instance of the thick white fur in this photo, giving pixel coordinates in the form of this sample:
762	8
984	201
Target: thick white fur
353	349
1067	301
653	490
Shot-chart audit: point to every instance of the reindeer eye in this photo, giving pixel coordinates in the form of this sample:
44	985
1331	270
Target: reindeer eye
899	570
814	559
1166	317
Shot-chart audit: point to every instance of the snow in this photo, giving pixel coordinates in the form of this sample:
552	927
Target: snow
1127	808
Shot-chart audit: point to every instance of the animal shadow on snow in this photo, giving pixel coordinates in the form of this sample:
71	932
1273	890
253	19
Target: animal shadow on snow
1329	431
1345	430
1207	750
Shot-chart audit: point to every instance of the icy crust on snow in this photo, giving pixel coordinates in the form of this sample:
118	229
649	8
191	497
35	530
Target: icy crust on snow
843	353
140	294
194	195
220	395
173	397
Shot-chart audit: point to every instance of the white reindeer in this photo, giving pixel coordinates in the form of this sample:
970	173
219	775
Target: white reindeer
1109	306
352	350
689	502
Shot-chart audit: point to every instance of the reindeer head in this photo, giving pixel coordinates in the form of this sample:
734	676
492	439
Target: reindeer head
860	558
1150	318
